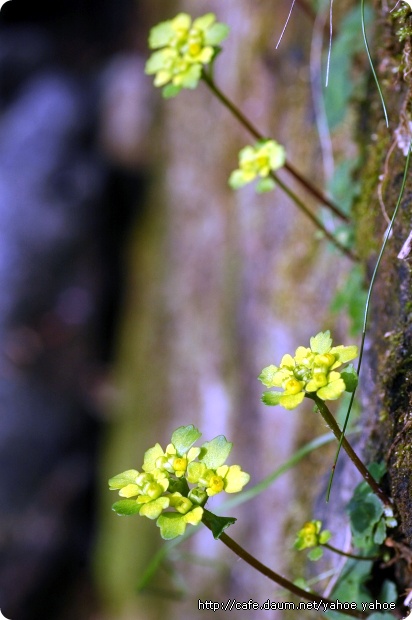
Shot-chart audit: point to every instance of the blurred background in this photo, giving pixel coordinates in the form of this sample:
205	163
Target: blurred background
139	293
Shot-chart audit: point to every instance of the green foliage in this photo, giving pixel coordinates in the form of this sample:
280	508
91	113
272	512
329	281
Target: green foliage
369	519
217	524
351	299
341	86
402	16
214	453
184	437
352	585
126	507
350	378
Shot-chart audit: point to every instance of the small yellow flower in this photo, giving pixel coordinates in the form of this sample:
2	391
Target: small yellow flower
183	48
258	161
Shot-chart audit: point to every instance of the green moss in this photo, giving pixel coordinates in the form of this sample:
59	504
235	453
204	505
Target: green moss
367	236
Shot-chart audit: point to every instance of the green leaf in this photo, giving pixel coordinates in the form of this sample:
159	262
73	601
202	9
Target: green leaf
302	583
341	79
271	398
377	470
380	532
171	525
265	185
184	437
388	593
216	34
217	524
126	507
161	34
325	537
351	298
123	479
315	554
364	513
351	585
237	179
214	453
204	22
350	378
267	374
170	91
156	62
321	343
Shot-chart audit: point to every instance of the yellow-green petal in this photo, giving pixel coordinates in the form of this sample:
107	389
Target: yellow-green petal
195	471
287	361
344	354
153	509
291	401
150	457
333	390
194	517
204	22
130	490
123	479
234	479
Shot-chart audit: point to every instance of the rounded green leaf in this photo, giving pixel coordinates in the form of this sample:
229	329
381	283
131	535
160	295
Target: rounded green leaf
126	507
350	377
184	437
214	453
216	34
321	343
170	91
271	398
123	479
204	22
315	554
171	525
265	185
161	34
267	375
237	179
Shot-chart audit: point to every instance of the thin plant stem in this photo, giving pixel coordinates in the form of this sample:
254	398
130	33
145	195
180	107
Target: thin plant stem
259	136
375	77
350	555
334	427
367	306
313	218
268	572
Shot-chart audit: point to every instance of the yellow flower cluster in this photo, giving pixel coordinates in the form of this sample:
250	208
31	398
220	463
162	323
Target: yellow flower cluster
311	371
183	48
164	483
